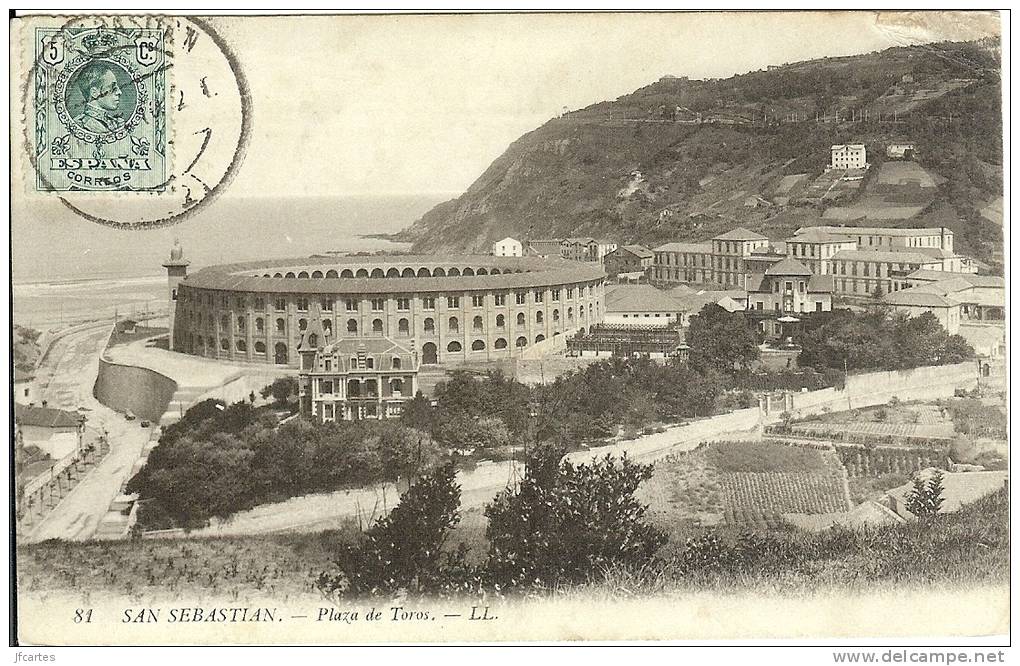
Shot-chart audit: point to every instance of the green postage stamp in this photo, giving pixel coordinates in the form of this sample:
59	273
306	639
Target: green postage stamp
100	109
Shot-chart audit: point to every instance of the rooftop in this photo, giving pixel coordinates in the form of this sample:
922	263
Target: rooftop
885	256
693	248
638	251
852	146
876	231
515	273
975	280
45	417
639	298
816	235
788	266
740	234
922	299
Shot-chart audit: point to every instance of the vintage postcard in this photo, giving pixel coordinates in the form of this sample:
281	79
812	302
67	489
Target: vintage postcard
509	327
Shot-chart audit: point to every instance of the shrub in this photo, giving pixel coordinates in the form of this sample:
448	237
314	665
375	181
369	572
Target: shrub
404	550
567	522
925	499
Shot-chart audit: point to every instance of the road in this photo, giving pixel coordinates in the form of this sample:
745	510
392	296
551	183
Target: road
478	486
73	365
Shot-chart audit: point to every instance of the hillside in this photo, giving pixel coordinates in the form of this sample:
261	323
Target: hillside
681	159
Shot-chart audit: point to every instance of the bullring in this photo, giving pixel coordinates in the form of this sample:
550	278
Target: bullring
447	309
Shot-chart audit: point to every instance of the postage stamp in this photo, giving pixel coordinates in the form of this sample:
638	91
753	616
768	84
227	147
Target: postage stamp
101	109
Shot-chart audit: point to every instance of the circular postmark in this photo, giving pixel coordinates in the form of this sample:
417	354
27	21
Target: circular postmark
133	122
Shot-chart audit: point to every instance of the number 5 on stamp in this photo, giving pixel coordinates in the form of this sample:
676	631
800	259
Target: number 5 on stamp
100	109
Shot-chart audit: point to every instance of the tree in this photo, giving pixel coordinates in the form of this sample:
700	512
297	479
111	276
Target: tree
566	522
403	550
281	390
418	413
925	499
878	293
721	340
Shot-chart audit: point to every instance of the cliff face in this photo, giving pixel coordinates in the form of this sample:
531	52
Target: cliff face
684	160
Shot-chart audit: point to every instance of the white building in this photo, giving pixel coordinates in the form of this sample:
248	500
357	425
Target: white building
508	247
899	149
849	156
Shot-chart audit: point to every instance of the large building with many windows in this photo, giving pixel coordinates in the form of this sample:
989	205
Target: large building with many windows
447	309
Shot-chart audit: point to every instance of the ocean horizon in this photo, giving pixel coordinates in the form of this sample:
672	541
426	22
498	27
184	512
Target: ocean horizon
101	271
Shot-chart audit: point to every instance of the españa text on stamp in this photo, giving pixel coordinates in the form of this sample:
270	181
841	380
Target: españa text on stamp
100	112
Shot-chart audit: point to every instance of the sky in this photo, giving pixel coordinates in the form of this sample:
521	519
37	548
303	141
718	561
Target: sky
419	106
423	104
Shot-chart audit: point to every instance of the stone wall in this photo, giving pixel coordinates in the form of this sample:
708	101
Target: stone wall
141	391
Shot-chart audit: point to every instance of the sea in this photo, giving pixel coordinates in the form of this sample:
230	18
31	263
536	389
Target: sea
68	270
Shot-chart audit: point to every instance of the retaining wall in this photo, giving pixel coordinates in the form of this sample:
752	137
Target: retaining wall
123	388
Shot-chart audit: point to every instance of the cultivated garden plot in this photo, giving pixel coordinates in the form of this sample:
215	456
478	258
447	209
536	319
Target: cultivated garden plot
747	484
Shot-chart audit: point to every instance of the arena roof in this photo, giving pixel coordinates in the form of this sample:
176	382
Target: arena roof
534	272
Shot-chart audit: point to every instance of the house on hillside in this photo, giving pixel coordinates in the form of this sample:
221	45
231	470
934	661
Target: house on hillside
900	150
629	259
849	156
544	248
508	247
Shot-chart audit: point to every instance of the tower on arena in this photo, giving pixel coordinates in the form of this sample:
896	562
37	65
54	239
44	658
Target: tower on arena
176	270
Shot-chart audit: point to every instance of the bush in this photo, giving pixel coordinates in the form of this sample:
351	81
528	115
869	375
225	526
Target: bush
404	550
567	522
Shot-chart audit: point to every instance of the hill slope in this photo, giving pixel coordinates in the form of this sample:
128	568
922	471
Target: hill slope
678	159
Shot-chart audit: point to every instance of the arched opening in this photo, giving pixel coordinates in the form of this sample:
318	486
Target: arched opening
539	317
478	345
260	347
500	343
583	332
302	324
500	321
377	326
303	274
522	342
260	325
454	347
408	273
481	271
280	355
378	273
403	328
495	271
520	319
327	327
476	323
331	273
468	271
346	273
362	273
424	272
353	388
225	344
454	324
439	272
241	346
277	275
317	274
429	354
371	388
290	274
281	326
352	325
454	272
539	338
392	273
396	363
556	314
397	386
430	325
